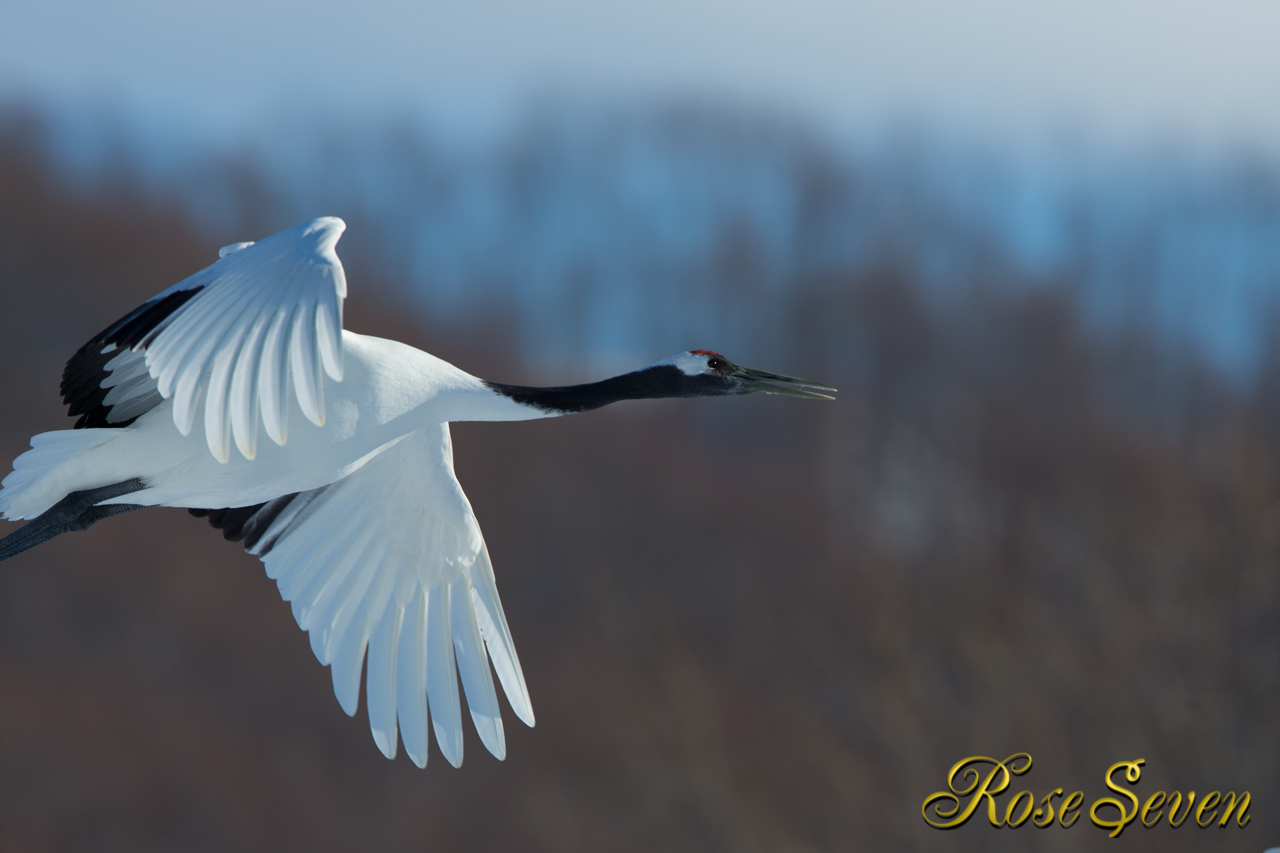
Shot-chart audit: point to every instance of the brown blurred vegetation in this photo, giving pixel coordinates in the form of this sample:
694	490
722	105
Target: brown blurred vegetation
752	624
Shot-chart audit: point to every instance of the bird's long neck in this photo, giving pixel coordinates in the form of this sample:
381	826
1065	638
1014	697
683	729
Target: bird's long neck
650	383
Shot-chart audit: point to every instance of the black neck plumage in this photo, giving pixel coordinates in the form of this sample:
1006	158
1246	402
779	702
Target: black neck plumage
650	383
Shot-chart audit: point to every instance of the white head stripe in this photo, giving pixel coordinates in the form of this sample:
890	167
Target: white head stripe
688	363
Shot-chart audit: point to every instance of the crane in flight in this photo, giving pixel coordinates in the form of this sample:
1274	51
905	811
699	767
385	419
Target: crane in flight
352	504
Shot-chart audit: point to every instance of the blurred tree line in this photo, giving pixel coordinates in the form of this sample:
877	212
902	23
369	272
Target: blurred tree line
750	624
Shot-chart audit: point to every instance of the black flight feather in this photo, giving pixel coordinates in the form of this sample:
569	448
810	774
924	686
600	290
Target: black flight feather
82	378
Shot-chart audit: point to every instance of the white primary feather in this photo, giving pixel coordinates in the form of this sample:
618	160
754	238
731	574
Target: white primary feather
132	390
264	308
390	560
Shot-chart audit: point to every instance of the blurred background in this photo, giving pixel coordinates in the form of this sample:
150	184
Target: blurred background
1036	247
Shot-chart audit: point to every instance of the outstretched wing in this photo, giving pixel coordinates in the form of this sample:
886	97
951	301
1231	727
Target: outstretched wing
390	560
232	335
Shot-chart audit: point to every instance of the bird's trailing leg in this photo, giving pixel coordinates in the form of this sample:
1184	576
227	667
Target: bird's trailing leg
77	511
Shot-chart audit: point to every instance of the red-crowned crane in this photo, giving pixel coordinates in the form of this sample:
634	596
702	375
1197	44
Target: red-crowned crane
353	504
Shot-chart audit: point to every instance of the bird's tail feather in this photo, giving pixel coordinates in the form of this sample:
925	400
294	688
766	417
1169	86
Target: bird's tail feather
77	511
36	482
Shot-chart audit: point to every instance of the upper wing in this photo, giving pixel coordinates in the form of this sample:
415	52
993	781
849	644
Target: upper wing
232	334
390	559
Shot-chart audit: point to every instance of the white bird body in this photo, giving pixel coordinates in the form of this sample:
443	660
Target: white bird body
390	390
353	504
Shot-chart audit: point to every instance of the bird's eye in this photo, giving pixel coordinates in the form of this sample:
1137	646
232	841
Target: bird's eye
715	363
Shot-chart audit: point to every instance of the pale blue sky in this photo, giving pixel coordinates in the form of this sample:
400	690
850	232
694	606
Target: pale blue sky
1113	72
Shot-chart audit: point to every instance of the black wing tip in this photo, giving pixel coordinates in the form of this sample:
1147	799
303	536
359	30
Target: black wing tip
82	377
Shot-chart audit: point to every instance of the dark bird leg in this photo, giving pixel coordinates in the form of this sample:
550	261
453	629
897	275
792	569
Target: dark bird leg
77	511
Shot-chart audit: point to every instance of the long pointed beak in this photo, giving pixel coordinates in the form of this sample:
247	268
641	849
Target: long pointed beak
775	383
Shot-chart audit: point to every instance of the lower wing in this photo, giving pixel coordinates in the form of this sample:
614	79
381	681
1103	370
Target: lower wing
390	560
